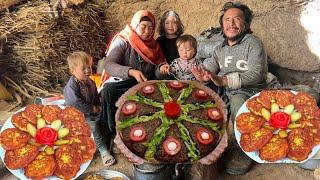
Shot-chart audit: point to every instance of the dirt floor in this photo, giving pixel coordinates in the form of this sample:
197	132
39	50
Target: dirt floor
260	171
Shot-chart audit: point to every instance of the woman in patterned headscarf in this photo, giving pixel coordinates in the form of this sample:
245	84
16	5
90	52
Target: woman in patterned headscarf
134	56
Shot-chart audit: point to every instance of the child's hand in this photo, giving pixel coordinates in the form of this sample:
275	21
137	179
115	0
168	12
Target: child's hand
165	69
96	109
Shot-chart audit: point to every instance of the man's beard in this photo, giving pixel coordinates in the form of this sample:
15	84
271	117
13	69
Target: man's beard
235	38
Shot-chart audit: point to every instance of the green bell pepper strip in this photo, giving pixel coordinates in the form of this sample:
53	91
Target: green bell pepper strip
193	152
135	120
145	100
203	122
190	107
158	136
165	92
184	94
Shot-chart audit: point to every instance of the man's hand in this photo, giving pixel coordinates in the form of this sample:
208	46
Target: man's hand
200	74
138	75
218	81
165	68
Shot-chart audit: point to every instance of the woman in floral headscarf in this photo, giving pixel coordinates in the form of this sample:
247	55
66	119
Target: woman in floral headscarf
134	56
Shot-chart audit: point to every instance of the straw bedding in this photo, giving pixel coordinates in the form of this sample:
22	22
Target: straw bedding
37	44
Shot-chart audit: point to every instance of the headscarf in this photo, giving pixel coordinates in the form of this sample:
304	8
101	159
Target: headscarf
149	50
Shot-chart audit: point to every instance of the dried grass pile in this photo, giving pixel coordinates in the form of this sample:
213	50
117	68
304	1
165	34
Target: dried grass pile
37	45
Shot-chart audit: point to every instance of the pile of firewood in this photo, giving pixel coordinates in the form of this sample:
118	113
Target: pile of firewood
38	43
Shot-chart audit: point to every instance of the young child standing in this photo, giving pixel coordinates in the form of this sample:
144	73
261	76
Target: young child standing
81	93
181	67
170	29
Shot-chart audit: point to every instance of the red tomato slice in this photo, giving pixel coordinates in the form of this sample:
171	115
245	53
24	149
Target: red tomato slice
129	108
201	94
176	85
171	146
172	109
214	114
149	89
137	134
204	136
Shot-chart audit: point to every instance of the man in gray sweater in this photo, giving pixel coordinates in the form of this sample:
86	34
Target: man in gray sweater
239	65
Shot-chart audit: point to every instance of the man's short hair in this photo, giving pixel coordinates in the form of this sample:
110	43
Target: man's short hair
248	16
78	58
187	38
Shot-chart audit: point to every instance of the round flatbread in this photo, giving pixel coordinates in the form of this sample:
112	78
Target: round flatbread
42	166
267	97
77	128
71	114
303	99
19	121
309	112
248	122
276	149
51	113
20	158
83	145
313	127
13	138
68	162
300	144
31	112
254	106
254	141
283	98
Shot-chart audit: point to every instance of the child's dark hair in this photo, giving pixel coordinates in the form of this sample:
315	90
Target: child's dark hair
187	38
161	29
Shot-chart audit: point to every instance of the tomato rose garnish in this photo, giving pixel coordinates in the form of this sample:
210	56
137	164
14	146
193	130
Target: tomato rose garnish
214	114
204	136
172	109
279	120
129	108
176	85
46	136
171	146
201	94
137	133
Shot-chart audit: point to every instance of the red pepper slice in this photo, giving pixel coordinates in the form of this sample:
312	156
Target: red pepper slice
279	120
202	133
172	109
137	134
129	108
46	136
171	146
214	114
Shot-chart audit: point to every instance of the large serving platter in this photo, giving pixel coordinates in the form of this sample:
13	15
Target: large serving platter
19	173
255	155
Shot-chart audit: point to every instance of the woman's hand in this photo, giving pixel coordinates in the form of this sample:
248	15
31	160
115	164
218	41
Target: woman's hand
165	69
138	75
201	74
